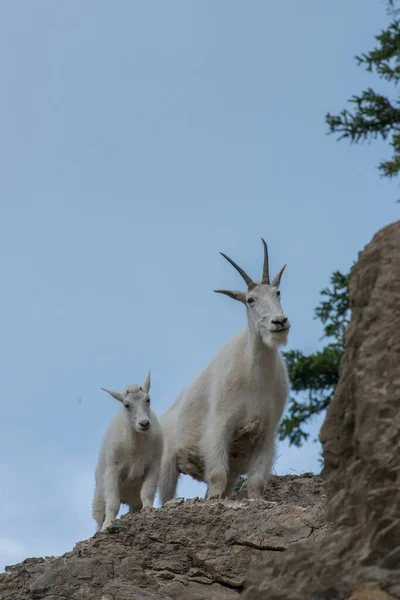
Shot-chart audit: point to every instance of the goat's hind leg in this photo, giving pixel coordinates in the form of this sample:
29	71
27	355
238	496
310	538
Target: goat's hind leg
98	508
260	467
169	475
232	479
135	503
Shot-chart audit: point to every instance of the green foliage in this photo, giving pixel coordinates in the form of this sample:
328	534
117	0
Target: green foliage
375	115
239	484
317	374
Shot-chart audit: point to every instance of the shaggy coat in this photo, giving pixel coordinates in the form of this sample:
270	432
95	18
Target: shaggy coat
224	423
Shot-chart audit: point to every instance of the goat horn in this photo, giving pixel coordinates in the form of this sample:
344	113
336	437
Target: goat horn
248	280
277	279
265	278
115	395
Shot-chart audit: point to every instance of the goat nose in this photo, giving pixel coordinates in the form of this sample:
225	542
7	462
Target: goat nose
280	321
144	423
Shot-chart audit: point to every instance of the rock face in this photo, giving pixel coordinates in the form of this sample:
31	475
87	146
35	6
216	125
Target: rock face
361	434
361	443
187	550
280	548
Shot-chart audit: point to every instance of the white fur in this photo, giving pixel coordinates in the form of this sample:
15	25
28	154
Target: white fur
129	462
224	424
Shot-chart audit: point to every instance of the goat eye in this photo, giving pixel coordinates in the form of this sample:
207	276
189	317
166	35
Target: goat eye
250	301
278	293
127	406
148	400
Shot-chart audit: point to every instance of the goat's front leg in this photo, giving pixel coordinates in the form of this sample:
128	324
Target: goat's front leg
260	466
215	447
149	486
111	496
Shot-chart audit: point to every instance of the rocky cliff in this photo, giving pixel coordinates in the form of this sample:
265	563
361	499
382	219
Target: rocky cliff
280	548
361	442
187	550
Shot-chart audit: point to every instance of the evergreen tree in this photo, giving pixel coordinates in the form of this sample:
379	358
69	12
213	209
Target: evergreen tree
374	115
317	374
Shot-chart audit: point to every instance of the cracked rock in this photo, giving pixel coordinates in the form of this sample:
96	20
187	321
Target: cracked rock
187	550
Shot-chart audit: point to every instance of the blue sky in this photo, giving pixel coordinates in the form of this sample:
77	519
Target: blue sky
139	139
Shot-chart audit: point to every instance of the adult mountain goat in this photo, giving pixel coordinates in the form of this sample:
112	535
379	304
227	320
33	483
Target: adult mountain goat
224	424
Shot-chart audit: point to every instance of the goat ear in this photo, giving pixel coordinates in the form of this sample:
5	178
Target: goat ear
240	296
146	385
277	279
115	395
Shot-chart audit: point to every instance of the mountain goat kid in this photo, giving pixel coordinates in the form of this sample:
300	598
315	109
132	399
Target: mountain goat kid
129	462
224	424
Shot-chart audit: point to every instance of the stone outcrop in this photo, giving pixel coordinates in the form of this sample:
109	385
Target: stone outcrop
361	444
186	550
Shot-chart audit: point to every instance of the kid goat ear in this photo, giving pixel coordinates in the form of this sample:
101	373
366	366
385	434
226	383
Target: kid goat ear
115	395
146	385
